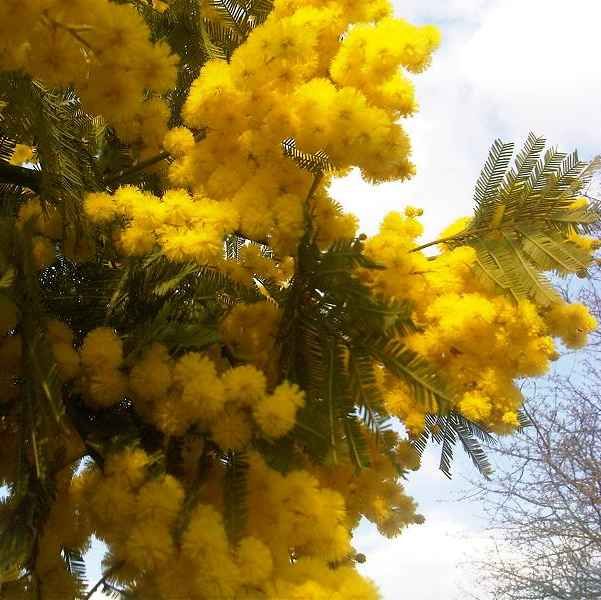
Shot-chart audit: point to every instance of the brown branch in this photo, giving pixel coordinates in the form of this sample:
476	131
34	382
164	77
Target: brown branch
136	167
20	176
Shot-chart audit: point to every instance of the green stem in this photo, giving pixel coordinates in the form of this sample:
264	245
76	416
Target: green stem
456	237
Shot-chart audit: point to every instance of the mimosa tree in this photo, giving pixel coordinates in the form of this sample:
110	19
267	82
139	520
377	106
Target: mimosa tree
201	357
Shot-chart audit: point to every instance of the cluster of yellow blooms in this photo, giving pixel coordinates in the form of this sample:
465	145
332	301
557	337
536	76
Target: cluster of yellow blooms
301	62
186	228
103	49
298	514
175	394
479	339
21	154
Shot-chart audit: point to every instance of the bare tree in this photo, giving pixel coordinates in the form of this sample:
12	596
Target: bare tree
544	502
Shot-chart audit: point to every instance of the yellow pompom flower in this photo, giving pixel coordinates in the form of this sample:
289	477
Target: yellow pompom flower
102	348
254	560
148	548
21	154
179	141
571	322
128	466
232	430
159	501
580	203
475	406
407	456
244	385
205	533
99	207
67	360
150	377
202	391
107	386
276	414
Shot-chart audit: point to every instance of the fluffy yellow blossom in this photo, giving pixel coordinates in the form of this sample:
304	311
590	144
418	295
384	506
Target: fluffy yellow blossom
203	393
244	385
159	501
149	548
99	207
571	322
276	414
21	154
67	360
103	50
106	386
232	430
102	348
209	241
128	466
399	402
205	533
150	377
179	141
579	203
475	406
254	561
250	330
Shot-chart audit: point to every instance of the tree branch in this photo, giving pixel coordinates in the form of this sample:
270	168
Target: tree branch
104	577
135	168
22	176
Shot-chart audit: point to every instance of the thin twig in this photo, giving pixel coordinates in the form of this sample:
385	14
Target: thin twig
106	575
135	168
21	176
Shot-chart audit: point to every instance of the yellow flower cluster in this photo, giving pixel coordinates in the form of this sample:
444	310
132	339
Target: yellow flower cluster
287	514
21	154
68	363
103	49
324	74
67	526
175	394
319	80
46	226
571	322
95	369
250	331
375	493
184	227
478	338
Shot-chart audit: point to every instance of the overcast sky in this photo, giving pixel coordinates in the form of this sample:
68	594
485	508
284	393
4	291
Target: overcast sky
506	67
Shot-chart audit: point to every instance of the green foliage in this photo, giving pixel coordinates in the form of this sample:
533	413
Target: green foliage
235	494
523	219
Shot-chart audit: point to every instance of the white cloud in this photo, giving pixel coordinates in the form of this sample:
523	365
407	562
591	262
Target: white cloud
505	67
426	562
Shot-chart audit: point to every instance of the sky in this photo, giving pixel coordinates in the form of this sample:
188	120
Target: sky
505	68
